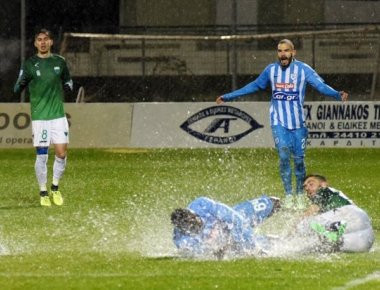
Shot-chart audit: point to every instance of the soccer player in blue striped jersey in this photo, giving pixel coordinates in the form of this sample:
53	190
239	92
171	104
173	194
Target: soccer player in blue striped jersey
210	228
288	78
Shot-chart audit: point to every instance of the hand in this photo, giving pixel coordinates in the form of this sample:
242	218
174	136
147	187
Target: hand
23	83
220	100
67	89
344	96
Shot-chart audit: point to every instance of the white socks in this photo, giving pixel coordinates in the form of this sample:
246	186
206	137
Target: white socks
58	169
41	170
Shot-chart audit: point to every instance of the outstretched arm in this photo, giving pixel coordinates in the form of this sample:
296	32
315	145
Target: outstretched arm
258	84
319	84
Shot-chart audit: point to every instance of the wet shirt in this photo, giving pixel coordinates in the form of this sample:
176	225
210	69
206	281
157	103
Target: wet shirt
45	78
329	198
255	210
221	223
288	91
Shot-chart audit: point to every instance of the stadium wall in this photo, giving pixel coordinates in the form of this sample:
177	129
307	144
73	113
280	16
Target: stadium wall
92	125
196	125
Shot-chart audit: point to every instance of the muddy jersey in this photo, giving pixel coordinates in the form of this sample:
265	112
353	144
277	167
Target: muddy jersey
45	78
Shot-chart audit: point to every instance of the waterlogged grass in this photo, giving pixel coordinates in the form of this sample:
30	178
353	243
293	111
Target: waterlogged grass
113	231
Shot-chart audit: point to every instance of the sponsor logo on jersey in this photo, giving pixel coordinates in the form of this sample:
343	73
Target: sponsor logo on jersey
285	96
284	86
219	125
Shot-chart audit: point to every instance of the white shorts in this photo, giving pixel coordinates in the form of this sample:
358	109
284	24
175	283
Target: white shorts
46	132
358	236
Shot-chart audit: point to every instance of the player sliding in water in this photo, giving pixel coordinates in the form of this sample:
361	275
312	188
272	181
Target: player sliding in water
207	228
210	228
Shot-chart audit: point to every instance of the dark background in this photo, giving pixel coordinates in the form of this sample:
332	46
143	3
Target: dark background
102	16
58	16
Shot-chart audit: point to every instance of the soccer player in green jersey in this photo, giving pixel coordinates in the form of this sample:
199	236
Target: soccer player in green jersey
336	217
47	77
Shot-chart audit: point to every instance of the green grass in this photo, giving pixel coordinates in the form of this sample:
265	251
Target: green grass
113	231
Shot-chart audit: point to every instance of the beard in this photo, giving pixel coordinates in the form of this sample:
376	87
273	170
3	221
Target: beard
285	61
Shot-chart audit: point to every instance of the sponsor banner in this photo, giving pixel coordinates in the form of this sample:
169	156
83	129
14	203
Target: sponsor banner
187	125
91	125
246	124
336	124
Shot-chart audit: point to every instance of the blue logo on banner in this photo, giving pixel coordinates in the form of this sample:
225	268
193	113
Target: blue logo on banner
221	118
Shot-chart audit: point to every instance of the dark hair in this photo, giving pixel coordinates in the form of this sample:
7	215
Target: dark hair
43	31
186	221
317	176
276	204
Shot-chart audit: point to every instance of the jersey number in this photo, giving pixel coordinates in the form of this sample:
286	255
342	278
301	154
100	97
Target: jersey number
258	205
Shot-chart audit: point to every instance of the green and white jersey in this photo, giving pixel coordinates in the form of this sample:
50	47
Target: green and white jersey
45	78
329	198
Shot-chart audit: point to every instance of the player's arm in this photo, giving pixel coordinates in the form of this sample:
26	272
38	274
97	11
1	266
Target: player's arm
319	84
258	84
186	244
22	80
240	229
67	82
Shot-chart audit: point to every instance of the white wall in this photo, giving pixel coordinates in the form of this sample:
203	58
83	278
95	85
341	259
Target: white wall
158	125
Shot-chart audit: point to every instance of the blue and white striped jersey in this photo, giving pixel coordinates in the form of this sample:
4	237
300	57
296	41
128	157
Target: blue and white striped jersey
288	91
221	224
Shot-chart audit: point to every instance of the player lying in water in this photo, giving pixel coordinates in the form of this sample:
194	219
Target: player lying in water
336	217
210	228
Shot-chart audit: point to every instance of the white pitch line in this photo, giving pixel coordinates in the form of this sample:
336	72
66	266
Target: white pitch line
371	277
59	275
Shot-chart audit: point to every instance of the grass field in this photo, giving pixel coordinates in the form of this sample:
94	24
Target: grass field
113	232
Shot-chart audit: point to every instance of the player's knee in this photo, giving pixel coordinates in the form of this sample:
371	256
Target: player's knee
42	150
60	155
284	154
299	161
299	166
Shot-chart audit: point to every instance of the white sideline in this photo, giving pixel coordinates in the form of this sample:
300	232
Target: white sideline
59	275
373	276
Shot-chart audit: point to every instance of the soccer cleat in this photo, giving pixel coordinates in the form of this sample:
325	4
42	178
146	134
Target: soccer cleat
333	233
57	197
300	202
45	200
288	201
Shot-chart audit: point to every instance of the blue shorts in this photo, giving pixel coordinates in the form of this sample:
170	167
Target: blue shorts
294	139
